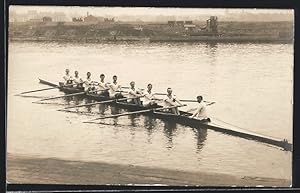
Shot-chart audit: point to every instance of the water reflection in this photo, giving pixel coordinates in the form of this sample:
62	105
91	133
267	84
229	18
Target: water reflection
149	124
200	136
211	51
88	107
114	110
68	100
169	129
102	108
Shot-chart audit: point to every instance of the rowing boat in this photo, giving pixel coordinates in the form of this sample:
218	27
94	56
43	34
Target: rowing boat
184	118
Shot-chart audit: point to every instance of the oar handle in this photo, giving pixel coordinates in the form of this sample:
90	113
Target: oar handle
99	90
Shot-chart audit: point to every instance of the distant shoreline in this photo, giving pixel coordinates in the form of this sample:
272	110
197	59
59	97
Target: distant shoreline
22	169
158	40
85	32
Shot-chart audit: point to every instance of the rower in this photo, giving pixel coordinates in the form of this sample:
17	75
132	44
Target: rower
201	111
67	78
88	83
134	95
171	101
77	80
102	86
114	88
148	99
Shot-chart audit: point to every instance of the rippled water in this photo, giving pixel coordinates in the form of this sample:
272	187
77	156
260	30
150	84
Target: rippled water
251	84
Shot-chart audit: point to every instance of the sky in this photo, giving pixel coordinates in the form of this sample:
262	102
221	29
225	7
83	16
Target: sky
141	10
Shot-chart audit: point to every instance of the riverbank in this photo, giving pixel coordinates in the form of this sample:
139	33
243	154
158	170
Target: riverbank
228	32
22	169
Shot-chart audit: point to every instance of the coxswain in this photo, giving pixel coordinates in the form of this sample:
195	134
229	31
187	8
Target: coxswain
67	78
77	80
201	111
134	95
170	101
102	86
114	88
149	99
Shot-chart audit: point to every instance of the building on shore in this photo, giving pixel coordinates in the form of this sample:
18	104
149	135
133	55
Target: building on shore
189	27
92	19
109	20
74	19
179	23
36	20
47	19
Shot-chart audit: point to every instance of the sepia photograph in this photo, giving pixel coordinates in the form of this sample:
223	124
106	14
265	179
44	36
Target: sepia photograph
150	96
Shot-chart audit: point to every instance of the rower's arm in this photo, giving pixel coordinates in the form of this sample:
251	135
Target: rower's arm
169	102
134	94
119	88
178	102
196	112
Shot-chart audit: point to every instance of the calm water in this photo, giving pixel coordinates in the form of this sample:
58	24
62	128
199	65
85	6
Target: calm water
251	84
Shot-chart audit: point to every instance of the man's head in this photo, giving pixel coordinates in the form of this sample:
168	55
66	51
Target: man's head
149	86
76	73
88	74
199	99
67	71
169	91
115	78
102	76
132	84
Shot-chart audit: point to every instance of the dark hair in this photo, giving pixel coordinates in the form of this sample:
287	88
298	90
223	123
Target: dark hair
169	88
200	97
88	73
102	75
76	71
149	84
114	76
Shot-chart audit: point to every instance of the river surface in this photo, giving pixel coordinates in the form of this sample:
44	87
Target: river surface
251	83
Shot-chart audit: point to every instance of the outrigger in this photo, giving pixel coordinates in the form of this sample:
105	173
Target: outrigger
157	111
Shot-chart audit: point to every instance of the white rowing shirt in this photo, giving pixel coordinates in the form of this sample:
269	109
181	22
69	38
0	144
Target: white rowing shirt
132	93
77	79
102	85
67	78
148	97
113	88
170	101
201	111
88	82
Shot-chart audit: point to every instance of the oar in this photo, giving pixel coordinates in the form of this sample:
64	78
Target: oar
61	96
88	104
131	113
30	96
191	110
186	100
31	91
195	101
38	90
95	103
127	87
92	91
